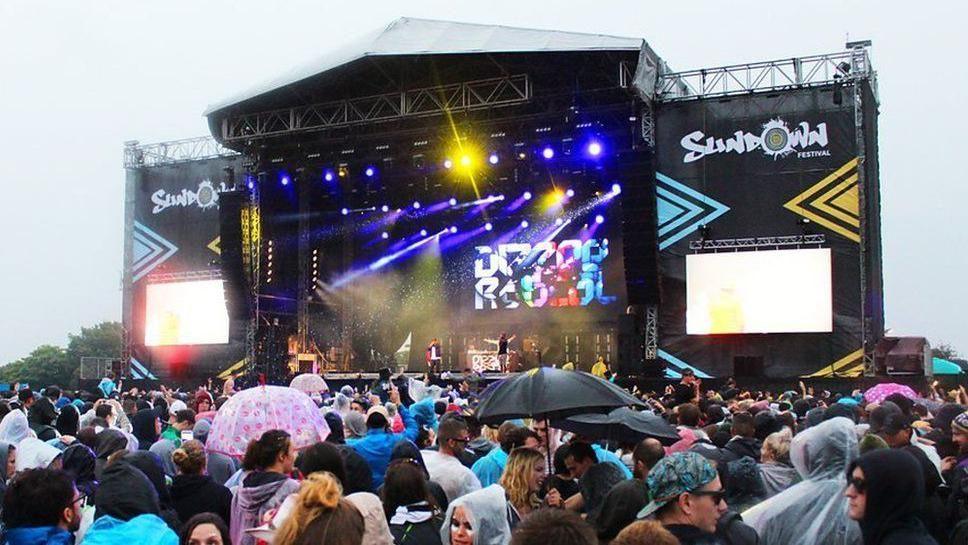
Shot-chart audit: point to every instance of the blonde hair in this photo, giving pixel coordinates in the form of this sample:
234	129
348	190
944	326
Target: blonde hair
320	514
517	473
645	532
778	444
190	457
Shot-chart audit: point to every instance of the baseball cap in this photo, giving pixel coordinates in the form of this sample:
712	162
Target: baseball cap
177	405
895	423
378	409
674	475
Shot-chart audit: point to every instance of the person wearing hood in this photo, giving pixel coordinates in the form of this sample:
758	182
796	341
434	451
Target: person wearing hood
619	509
375	528
376	447
146	427
78	461
149	464
108	442
479	518
41	507
8	466
127	510
268	462
885	490
354	425
194	492
813	510
41	417
14	428
36	454
68	421
776	471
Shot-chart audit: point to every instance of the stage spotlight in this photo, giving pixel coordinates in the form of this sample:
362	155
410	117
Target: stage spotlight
488	226
385	235
465	160
594	148
251	184
522	156
570	193
452	201
616	189
448	164
284	180
345	211
370	171
416	205
453	229
599	219
493	159
527	195
423	232
524	224
328	176
559	221
548	153
385	208
343	172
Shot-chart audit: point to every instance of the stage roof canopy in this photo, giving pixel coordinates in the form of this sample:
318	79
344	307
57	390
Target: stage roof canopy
408	37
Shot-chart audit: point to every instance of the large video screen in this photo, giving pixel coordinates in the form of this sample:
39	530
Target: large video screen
778	291
185	313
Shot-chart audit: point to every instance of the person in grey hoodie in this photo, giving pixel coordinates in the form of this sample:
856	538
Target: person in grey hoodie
268	462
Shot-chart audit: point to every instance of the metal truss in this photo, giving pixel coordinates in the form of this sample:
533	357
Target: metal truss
456	97
648	124
138	155
651	332
757	242
183	276
765	76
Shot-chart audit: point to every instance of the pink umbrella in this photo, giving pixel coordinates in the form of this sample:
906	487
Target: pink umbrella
878	393
250	413
309	383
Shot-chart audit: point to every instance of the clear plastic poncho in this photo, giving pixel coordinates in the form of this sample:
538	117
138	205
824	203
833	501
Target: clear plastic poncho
815	509
487	510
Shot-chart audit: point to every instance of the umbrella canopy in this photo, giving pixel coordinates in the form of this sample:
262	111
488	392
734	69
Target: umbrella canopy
622	424
250	413
551	393
881	391
309	383
945	367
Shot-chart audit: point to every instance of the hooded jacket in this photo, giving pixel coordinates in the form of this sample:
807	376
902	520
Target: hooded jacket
253	499
78	460
376	447
194	494
487	510
38	535
895	495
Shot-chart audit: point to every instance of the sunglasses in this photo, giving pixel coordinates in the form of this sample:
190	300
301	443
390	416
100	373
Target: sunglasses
716	495
859	484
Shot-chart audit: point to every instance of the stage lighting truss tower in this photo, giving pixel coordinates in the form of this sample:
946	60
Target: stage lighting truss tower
251	253
305	290
137	155
651	333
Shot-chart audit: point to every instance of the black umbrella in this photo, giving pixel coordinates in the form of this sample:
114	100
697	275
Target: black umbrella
551	393
622	424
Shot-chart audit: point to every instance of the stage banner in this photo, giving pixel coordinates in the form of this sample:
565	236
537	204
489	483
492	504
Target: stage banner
178	324
768	165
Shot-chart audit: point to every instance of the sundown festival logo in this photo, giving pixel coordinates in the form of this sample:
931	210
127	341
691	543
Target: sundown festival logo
205	197
776	140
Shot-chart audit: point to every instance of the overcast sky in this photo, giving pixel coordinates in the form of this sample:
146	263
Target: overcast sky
78	78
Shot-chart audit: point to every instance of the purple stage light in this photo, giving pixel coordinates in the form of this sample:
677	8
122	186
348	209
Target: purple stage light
493	159
416	205
488	226
385	235
548	153
524	224
594	148
448	164
570	193
345	211
616	189
385	208
423	232
370	171
599	219
559	221
452	201
527	195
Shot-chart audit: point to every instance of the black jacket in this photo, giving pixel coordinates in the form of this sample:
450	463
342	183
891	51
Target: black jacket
194	494
426	532
690	535
737	447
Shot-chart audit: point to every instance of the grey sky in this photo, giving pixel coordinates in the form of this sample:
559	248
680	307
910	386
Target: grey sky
77	78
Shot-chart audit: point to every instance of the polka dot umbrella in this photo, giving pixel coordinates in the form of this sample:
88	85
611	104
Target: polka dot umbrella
250	413
878	393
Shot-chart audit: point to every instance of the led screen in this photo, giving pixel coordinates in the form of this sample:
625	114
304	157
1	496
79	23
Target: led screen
184	313
781	291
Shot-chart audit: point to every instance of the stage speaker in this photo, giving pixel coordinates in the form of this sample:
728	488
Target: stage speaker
631	346
747	366
235	279
640	226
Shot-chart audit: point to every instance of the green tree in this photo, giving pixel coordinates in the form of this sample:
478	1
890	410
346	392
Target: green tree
45	365
944	351
55	365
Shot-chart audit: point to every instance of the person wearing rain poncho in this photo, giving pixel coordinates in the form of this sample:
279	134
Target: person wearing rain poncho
479	518
815	509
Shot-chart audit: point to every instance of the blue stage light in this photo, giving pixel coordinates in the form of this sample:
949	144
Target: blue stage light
548	153
370	171
524	224
423	232
385	235
385	208
616	189
416	205
599	219
488	226
251	184
527	195
345	211
493	159
570	193
329	176
452	201
284	180
594	148
453	229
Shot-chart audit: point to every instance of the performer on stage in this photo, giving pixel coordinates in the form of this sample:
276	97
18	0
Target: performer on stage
502	349
434	356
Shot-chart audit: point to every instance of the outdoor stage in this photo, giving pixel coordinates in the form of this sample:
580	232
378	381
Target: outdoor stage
568	189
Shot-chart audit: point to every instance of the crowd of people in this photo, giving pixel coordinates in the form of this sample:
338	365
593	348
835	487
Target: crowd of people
407	462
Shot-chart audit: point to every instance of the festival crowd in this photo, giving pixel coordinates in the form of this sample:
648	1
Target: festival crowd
407	462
